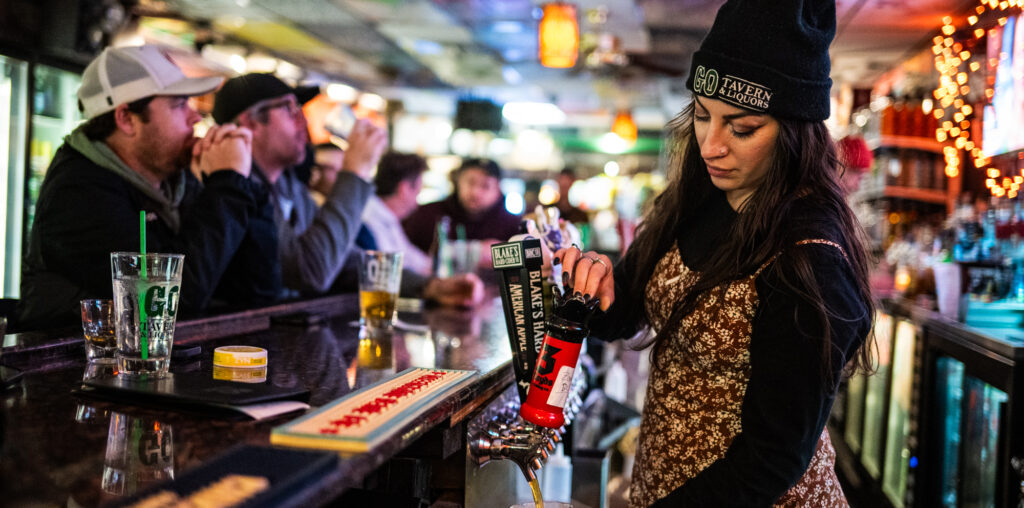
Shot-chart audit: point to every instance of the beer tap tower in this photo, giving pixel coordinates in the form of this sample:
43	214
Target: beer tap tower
500	432
504	435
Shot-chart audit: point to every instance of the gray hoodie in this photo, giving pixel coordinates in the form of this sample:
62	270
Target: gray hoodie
168	197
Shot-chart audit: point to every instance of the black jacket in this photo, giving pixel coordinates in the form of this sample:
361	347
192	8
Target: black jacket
85	212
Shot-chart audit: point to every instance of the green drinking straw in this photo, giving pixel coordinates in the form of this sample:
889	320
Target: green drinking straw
143	328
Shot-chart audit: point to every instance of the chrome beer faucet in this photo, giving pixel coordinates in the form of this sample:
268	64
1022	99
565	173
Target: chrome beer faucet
525	455
507	437
503	435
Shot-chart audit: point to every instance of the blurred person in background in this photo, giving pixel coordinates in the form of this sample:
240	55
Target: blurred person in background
857	159
313	241
566	178
476	207
399	180
326	160
132	154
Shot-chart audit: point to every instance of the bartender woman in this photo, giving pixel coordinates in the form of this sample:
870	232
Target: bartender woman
749	272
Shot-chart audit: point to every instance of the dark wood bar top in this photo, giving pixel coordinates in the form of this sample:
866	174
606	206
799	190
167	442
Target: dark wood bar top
59	448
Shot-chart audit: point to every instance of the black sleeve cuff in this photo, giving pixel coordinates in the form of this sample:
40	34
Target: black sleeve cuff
228	179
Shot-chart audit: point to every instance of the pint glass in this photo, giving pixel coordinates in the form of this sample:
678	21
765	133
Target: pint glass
379	278
146	293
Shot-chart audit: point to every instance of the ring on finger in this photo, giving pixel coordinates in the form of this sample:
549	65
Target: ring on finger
597	259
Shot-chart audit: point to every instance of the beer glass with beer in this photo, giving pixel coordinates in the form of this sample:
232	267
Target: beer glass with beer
379	278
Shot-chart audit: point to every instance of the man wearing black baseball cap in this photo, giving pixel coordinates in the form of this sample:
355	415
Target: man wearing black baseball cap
131	156
313	242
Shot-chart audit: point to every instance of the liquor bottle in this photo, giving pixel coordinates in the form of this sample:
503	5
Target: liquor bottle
989	245
900	111
441	260
906	163
923	163
888	123
938	171
918	120
932	125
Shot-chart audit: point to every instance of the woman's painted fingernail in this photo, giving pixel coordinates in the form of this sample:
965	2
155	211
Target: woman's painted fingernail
556	260
565	278
586	298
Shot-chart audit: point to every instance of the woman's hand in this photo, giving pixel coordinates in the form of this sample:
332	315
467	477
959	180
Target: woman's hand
588	274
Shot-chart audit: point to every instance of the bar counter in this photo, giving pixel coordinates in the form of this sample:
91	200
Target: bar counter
54	445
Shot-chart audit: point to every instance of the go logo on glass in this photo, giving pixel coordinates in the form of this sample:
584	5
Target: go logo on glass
160	298
374	272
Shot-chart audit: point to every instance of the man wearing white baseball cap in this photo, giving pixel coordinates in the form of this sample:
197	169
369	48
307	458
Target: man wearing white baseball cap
134	153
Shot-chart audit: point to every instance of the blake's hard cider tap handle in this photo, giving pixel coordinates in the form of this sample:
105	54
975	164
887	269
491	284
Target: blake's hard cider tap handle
518	263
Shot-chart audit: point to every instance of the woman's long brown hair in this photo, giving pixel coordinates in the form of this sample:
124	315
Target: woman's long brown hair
805	167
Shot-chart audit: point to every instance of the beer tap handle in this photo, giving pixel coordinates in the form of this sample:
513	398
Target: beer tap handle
555	436
536	464
482	448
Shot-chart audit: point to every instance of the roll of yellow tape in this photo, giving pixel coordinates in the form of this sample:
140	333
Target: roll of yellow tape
240	375
240	356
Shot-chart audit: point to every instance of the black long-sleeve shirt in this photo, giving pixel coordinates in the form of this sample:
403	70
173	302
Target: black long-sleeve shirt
789	394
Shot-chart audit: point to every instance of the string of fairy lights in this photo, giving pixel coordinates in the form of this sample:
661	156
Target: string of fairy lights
955	62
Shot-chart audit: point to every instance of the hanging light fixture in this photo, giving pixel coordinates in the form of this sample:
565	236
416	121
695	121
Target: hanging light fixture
559	35
624	126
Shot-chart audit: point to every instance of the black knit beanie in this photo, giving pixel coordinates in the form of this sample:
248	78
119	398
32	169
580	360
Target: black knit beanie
769	56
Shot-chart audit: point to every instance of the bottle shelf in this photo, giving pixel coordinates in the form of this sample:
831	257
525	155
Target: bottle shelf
934	196
910	142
